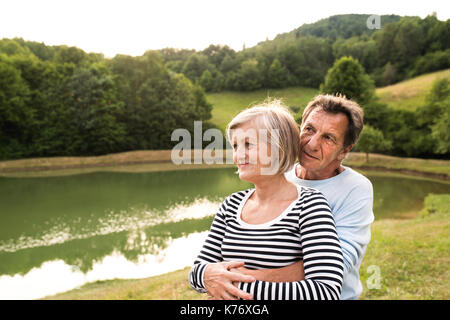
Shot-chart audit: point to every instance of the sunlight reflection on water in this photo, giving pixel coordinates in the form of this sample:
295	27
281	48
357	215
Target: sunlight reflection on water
131	220
56	276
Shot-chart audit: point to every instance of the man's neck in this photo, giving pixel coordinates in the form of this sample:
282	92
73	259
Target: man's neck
306	174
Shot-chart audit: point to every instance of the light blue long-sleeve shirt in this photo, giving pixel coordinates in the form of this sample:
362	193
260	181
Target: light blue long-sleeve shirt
350	196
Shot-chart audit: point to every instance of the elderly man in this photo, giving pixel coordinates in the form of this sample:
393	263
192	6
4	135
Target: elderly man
330	128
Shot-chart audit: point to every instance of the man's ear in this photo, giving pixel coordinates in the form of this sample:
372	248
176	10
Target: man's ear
344	152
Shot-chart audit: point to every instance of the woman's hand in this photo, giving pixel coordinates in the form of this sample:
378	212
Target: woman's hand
219	278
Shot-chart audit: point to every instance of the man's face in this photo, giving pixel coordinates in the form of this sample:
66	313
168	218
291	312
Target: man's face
322	141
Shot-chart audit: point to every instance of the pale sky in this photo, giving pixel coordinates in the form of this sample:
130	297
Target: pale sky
132	26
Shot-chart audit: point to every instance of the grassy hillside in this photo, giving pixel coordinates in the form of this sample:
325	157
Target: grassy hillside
405	259
411	93
407	94
227	104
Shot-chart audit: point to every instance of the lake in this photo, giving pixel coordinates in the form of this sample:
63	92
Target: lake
57	233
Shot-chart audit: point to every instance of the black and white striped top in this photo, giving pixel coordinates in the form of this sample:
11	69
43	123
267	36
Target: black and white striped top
304	231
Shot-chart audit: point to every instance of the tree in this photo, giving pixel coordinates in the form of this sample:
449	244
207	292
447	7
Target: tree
440	90
15	112
94	108
439	99
317	56
65	54
249	76
440	130
167	104
347	77
408	41
432	61
217	53
11	47
195	65
372	140
360	48
228	64
389	75
206	80
157	101
294	61
277	75
438	37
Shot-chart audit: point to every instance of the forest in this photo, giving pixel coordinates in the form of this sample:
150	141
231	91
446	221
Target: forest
62	101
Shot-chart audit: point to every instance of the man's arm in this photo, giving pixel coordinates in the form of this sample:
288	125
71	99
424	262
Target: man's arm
353	222
290	273
219	286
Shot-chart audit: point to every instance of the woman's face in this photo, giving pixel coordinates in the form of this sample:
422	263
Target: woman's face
251	152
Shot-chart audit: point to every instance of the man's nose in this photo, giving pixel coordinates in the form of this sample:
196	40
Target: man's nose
314	142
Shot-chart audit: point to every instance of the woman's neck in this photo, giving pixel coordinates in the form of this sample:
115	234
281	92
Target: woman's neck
274	188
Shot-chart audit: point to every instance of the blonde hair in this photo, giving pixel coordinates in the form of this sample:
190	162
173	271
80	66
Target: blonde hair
273	115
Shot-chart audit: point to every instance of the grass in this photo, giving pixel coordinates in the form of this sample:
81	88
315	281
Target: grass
410	94
170	286
412	255
435	203
405	259
227	104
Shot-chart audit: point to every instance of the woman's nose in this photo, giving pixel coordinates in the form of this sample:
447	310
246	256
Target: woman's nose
240	153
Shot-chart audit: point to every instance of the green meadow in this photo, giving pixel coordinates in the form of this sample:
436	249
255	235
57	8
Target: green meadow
408	94
228	104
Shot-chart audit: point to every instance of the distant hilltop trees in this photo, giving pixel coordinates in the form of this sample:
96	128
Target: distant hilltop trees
62	101
403	47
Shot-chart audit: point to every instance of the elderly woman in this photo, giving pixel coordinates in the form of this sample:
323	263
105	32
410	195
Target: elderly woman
273	225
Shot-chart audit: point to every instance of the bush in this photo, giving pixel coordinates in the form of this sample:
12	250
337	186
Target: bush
430	62
435	203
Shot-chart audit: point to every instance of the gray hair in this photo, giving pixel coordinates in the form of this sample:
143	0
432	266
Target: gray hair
273	116
339	104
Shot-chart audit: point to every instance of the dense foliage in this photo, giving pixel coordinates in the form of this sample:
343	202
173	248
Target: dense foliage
402	48
61	101
423	132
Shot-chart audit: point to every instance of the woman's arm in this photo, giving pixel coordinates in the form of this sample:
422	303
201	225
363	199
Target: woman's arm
209	273
322	258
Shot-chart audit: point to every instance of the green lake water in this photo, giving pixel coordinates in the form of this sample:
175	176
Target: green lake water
57	233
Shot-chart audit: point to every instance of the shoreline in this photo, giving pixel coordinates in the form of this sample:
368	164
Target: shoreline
424	174
160	160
